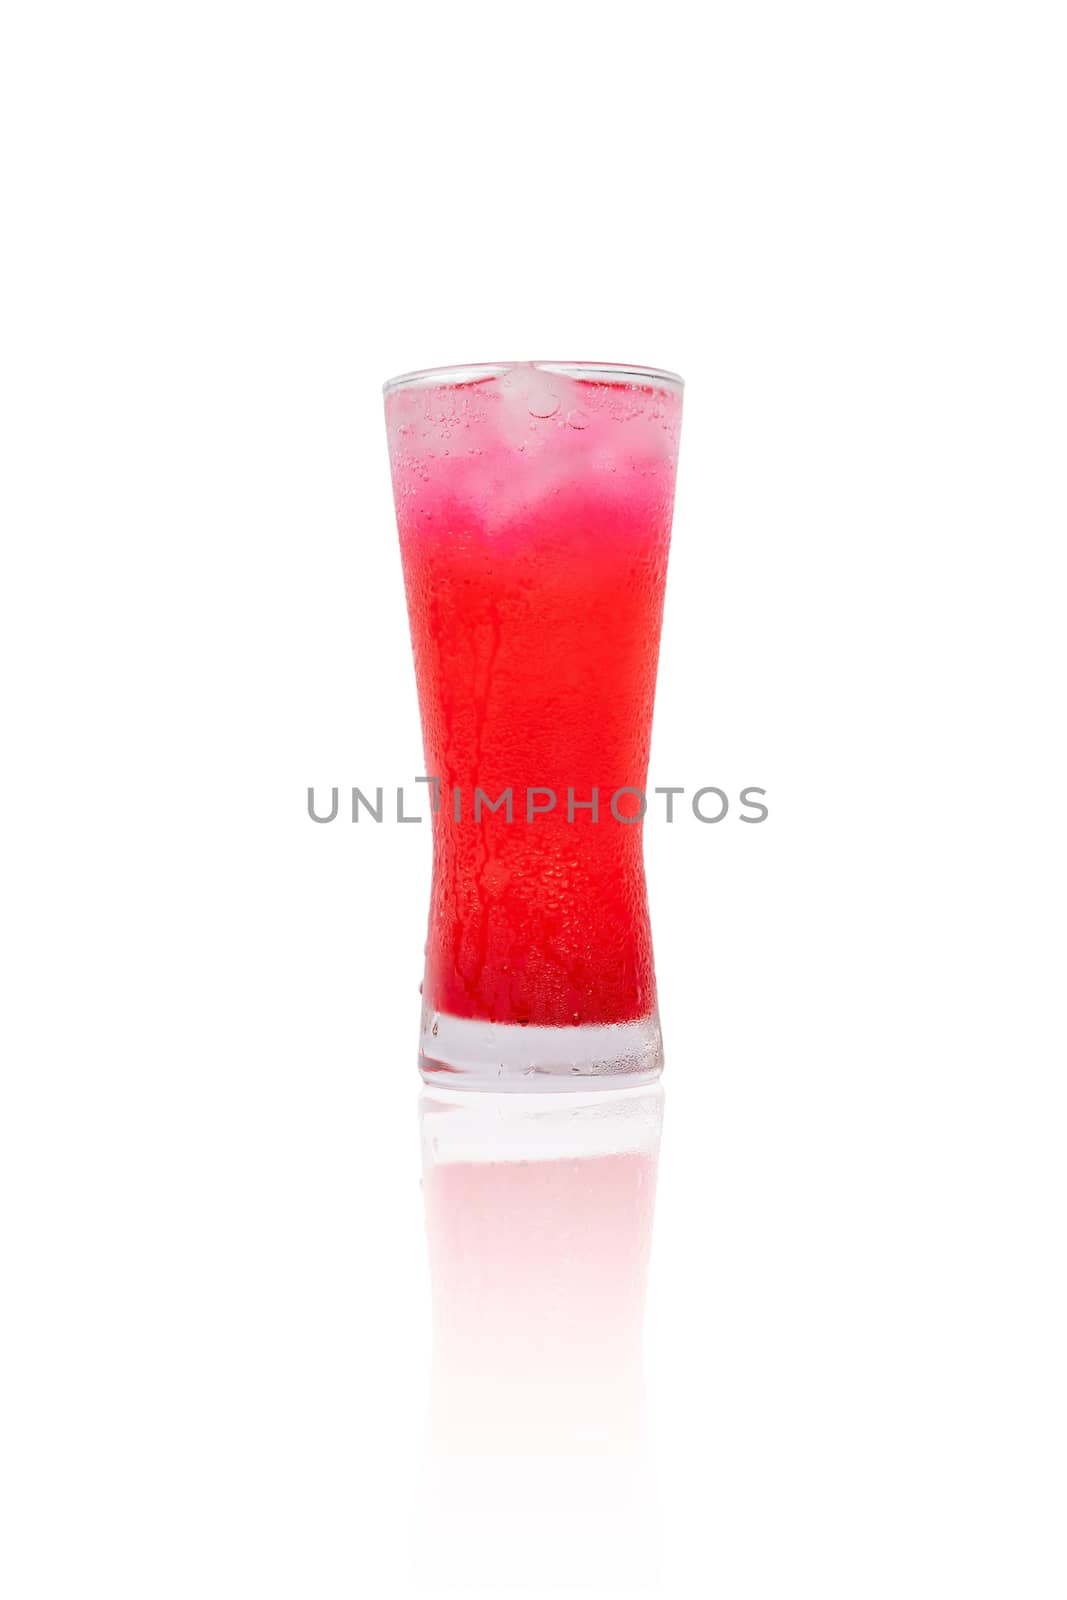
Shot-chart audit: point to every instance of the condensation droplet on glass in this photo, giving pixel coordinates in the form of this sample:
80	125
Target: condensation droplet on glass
577	418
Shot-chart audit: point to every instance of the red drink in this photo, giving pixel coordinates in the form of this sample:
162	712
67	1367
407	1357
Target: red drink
534	509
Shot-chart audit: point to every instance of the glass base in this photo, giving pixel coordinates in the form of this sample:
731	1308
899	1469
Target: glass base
464	1053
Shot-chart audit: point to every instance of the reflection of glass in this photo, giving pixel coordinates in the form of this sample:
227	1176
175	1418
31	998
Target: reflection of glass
534	509
539	1217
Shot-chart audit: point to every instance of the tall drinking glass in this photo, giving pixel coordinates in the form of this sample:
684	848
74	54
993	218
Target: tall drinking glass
534	507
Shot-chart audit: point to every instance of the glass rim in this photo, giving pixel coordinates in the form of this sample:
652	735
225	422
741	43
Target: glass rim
622	373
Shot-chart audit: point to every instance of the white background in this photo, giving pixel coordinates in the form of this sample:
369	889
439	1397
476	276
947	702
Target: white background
225	225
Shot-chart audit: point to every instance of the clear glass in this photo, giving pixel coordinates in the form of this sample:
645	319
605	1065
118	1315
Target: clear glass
534	504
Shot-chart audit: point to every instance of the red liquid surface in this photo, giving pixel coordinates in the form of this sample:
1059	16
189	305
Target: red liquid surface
535	554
